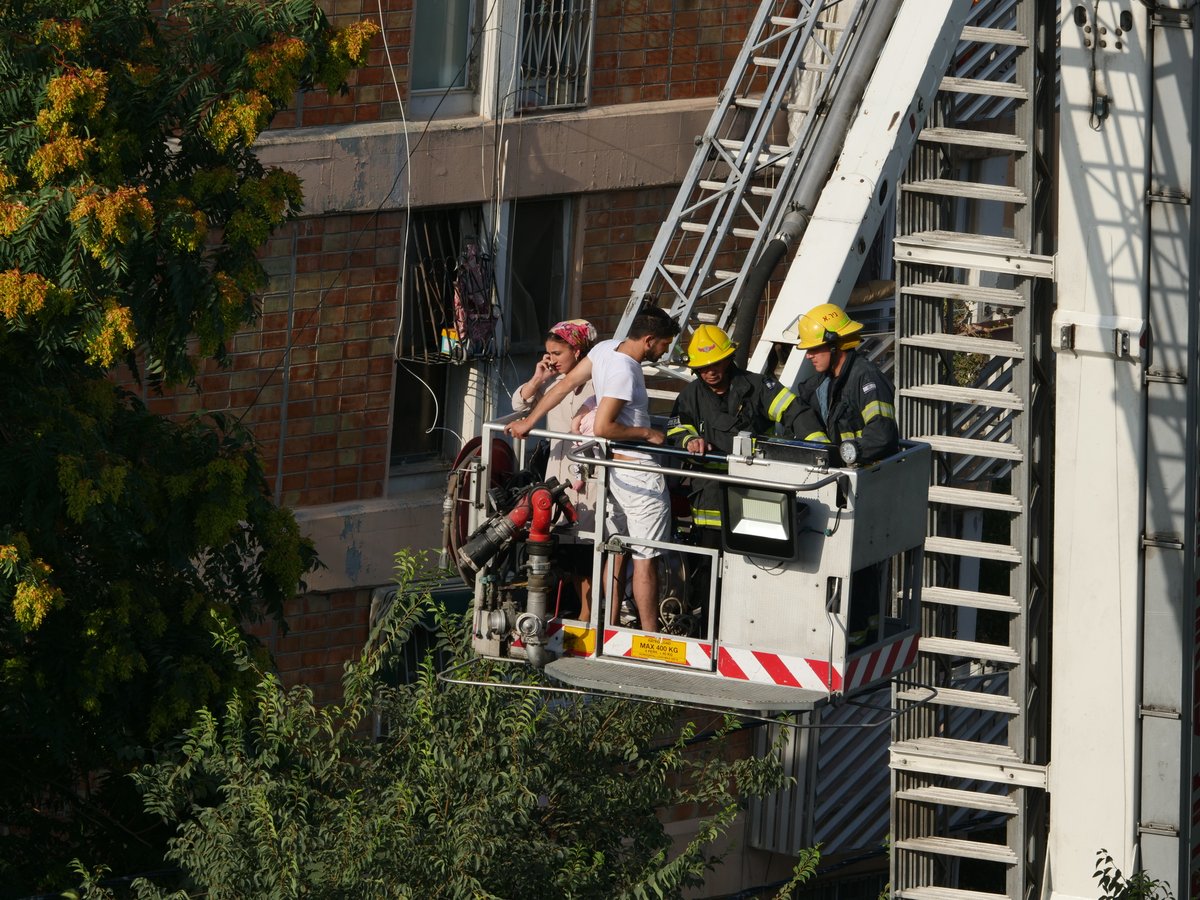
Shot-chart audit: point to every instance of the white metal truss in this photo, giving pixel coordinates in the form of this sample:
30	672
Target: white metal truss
1127	332
972	372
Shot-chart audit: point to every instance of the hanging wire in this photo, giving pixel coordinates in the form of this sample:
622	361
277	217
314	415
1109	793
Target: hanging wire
287	350
444	676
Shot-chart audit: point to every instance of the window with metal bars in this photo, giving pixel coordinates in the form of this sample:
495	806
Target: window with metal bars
449	311
556	53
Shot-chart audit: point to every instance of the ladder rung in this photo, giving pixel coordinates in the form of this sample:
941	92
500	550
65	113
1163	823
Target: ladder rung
940	750
701	227
970	650
971	599
962	700
943	846
994	36
968	293
790	22
771	62
972	549
772	150
992	763
719	274
973	447
984	88
986	252
965	343
949	393
969	137
725	185
930	892
756	102
948	187
972	499
1000	803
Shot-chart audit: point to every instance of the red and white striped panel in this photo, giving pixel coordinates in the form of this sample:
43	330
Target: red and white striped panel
690	653
883	662
775	668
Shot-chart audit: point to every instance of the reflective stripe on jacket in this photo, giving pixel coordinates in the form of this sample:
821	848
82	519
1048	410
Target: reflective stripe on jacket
753	403
858	404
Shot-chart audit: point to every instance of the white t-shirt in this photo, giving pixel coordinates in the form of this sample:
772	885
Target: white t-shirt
616	374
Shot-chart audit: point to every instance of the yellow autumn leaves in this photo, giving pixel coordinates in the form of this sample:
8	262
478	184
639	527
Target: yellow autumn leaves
33	594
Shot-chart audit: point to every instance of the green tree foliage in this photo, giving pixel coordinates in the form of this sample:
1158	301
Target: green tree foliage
473	791
1116	885
131	208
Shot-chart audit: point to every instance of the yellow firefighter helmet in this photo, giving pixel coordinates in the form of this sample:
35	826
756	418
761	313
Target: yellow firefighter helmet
708	345
827	324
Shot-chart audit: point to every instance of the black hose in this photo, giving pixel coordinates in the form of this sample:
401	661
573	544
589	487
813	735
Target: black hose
751	296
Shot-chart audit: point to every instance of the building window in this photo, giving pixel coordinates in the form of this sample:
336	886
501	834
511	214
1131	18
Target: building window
538	265
449	312
418	411
538	284
444	53
556	52
448	317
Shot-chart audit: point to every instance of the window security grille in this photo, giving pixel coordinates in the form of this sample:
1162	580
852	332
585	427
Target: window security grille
449	311
556	52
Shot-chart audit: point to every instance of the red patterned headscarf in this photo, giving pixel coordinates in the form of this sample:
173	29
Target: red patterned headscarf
579	334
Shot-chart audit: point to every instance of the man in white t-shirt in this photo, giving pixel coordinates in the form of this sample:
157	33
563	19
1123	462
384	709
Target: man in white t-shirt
640	505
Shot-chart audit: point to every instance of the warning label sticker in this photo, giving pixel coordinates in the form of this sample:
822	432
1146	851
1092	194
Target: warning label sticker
647	646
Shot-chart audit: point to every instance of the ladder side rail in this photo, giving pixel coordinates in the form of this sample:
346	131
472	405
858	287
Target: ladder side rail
724	118
895	104
732	200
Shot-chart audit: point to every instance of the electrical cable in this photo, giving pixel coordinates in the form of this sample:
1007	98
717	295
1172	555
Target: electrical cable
444	677
387	53
287	350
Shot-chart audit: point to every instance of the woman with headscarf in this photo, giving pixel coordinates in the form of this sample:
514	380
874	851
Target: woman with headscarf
566	344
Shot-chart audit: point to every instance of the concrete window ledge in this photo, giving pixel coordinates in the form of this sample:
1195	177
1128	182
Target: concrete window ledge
358	541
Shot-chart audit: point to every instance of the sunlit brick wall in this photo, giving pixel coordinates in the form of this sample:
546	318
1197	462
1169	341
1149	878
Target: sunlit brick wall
648	50
313	379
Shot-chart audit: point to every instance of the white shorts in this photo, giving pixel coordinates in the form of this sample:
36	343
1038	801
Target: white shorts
639	507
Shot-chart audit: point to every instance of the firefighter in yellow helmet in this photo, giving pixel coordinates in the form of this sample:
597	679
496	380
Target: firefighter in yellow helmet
846	397
721	401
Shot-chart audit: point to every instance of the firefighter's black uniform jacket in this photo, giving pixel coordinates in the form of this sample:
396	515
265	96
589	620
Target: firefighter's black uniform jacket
753	403
856	405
